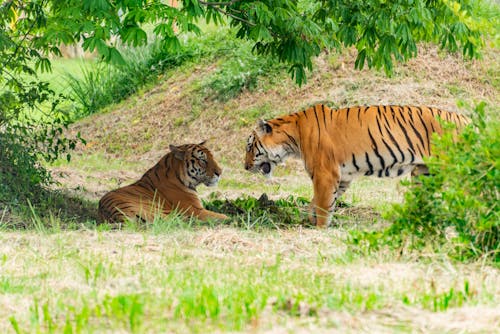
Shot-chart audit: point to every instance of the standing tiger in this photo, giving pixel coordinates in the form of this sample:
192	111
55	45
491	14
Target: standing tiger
167	186
339	145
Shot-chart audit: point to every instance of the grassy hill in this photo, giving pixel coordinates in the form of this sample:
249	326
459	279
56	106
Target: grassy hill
179	277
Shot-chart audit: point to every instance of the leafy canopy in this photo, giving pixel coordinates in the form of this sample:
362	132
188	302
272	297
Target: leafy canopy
293	31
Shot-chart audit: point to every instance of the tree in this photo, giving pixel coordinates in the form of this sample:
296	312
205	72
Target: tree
292	31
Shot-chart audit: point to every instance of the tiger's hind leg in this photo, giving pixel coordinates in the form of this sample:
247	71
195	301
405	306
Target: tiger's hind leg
342	189
419	171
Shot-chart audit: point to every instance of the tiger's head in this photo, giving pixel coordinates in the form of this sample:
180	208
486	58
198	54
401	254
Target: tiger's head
199	164
266	147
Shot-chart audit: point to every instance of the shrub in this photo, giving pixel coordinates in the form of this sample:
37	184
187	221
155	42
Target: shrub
239	70
31	133
458	205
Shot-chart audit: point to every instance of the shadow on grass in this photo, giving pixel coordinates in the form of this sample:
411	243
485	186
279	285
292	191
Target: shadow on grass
289	212
59	210
47	209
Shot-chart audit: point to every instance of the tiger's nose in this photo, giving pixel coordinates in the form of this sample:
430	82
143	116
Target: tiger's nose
247	166
218	173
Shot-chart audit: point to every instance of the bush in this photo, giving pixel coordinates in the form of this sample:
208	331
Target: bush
21	175
458	205
31	133
240	69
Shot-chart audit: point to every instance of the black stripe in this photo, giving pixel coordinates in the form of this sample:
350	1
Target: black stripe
319	128
432	112
410	144
394	141
385	118
347	114
370	167
427	134
375	149
393	113
403	114
354	162
332	204
391	152
148	185
410	113
324	115
419	136
290	138
378	125
447	116
156	173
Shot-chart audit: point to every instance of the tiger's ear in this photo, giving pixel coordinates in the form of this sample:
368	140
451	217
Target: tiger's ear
265	127
202	143
178	153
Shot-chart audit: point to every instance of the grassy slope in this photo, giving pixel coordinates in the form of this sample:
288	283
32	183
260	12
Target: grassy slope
179	278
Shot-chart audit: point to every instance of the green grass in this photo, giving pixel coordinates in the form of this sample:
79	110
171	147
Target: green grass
221	279
62	66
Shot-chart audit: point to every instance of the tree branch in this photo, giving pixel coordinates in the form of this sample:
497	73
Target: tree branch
213	4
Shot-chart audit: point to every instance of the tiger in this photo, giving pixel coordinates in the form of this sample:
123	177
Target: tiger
167	186
337	146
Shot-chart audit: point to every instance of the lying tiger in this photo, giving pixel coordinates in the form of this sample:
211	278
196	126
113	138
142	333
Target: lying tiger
167	186
339	145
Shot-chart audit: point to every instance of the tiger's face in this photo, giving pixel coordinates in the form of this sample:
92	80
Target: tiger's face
265	149
200	165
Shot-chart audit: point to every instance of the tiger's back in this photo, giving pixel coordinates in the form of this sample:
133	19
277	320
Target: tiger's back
384	141
139	200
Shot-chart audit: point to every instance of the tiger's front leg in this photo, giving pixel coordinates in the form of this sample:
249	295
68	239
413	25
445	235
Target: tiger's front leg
204	214
325	194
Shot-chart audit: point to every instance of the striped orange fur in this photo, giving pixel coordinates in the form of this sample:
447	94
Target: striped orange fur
339	145
167	186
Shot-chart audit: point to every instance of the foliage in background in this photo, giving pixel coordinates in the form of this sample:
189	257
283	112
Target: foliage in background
239	69
103	84
456	209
